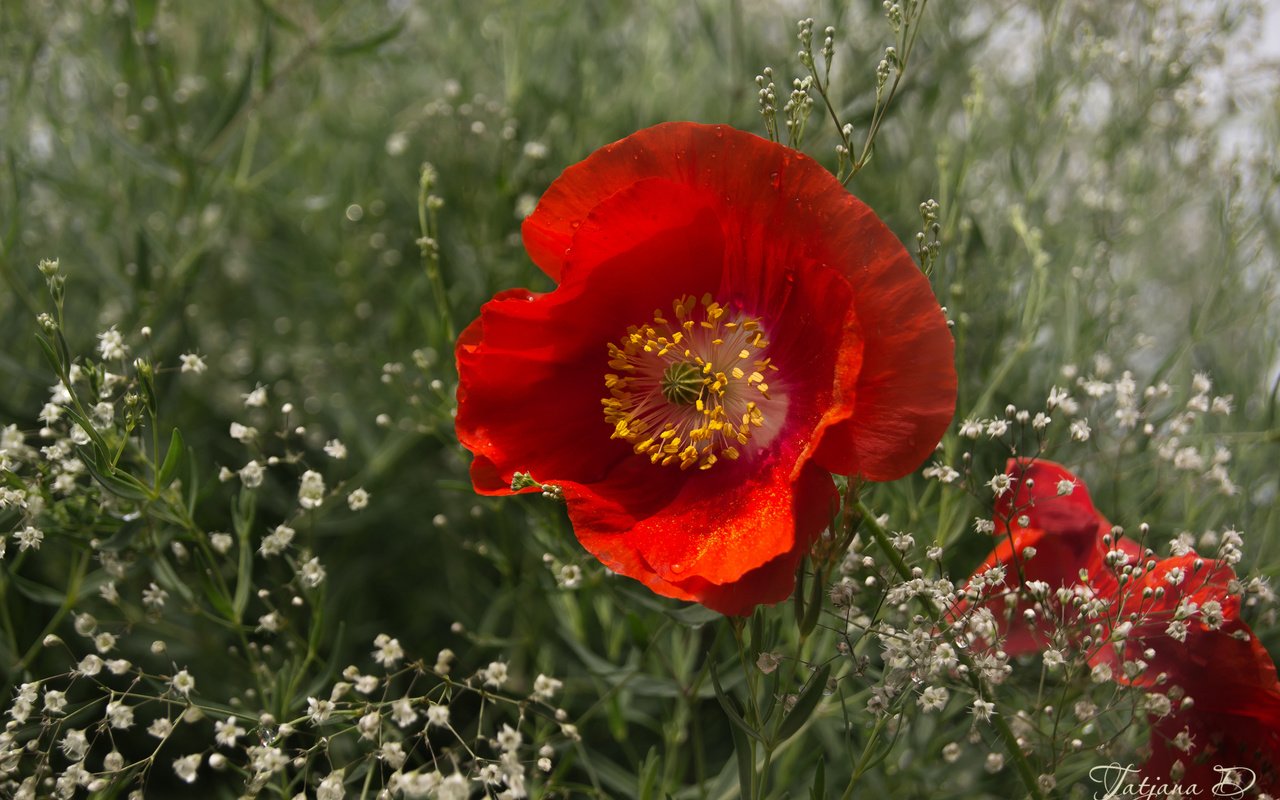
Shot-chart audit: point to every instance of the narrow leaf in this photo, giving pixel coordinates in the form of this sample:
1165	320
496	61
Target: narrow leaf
804	706
726	703
746	755
171	460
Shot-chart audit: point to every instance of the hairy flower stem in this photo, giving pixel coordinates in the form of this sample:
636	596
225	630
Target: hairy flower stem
998	721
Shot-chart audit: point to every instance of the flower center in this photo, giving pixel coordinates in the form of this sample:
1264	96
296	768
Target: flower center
693	390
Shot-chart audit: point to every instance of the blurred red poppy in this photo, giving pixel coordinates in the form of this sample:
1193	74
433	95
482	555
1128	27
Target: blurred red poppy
1047	531
1172	627
730	326
1225	711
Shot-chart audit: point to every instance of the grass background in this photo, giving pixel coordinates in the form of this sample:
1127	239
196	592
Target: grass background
243	178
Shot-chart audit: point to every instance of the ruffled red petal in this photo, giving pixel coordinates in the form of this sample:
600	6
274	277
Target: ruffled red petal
720	524
1034	494
1234	719
531	368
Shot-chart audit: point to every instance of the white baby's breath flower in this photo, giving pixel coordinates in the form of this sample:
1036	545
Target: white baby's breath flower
226	732
251	475
982	709
29	538
403	712
311	573
221	542
311	489
111	345
160	728
153	597
55	702
74	744
545	687
933	698
319	710
119	715
183	683
358	499
257	398
438	715
1000	483
509	738
193	363
388	651
276	542
335	449
90	665
1080	430
495	674
187	766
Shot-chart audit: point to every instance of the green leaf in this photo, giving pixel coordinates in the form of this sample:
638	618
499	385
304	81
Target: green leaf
811	614
120	484
804	707
123	537
648	775
36	592
168	578
171	461
746	756
100	450
819	788
730	710
243	509
50	354
693	616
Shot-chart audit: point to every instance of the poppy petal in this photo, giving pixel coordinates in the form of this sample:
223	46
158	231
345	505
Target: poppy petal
532	368
751	532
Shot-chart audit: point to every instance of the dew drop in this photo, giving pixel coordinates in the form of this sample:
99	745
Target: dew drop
775	180
677	568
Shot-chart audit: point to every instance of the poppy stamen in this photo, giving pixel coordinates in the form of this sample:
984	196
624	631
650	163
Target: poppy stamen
693	391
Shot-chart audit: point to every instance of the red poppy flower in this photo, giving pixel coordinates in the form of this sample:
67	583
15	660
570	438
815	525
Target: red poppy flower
1065	533
1231	718
730	327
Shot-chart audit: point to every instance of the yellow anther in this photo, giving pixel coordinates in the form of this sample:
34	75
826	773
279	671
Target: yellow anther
667	399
